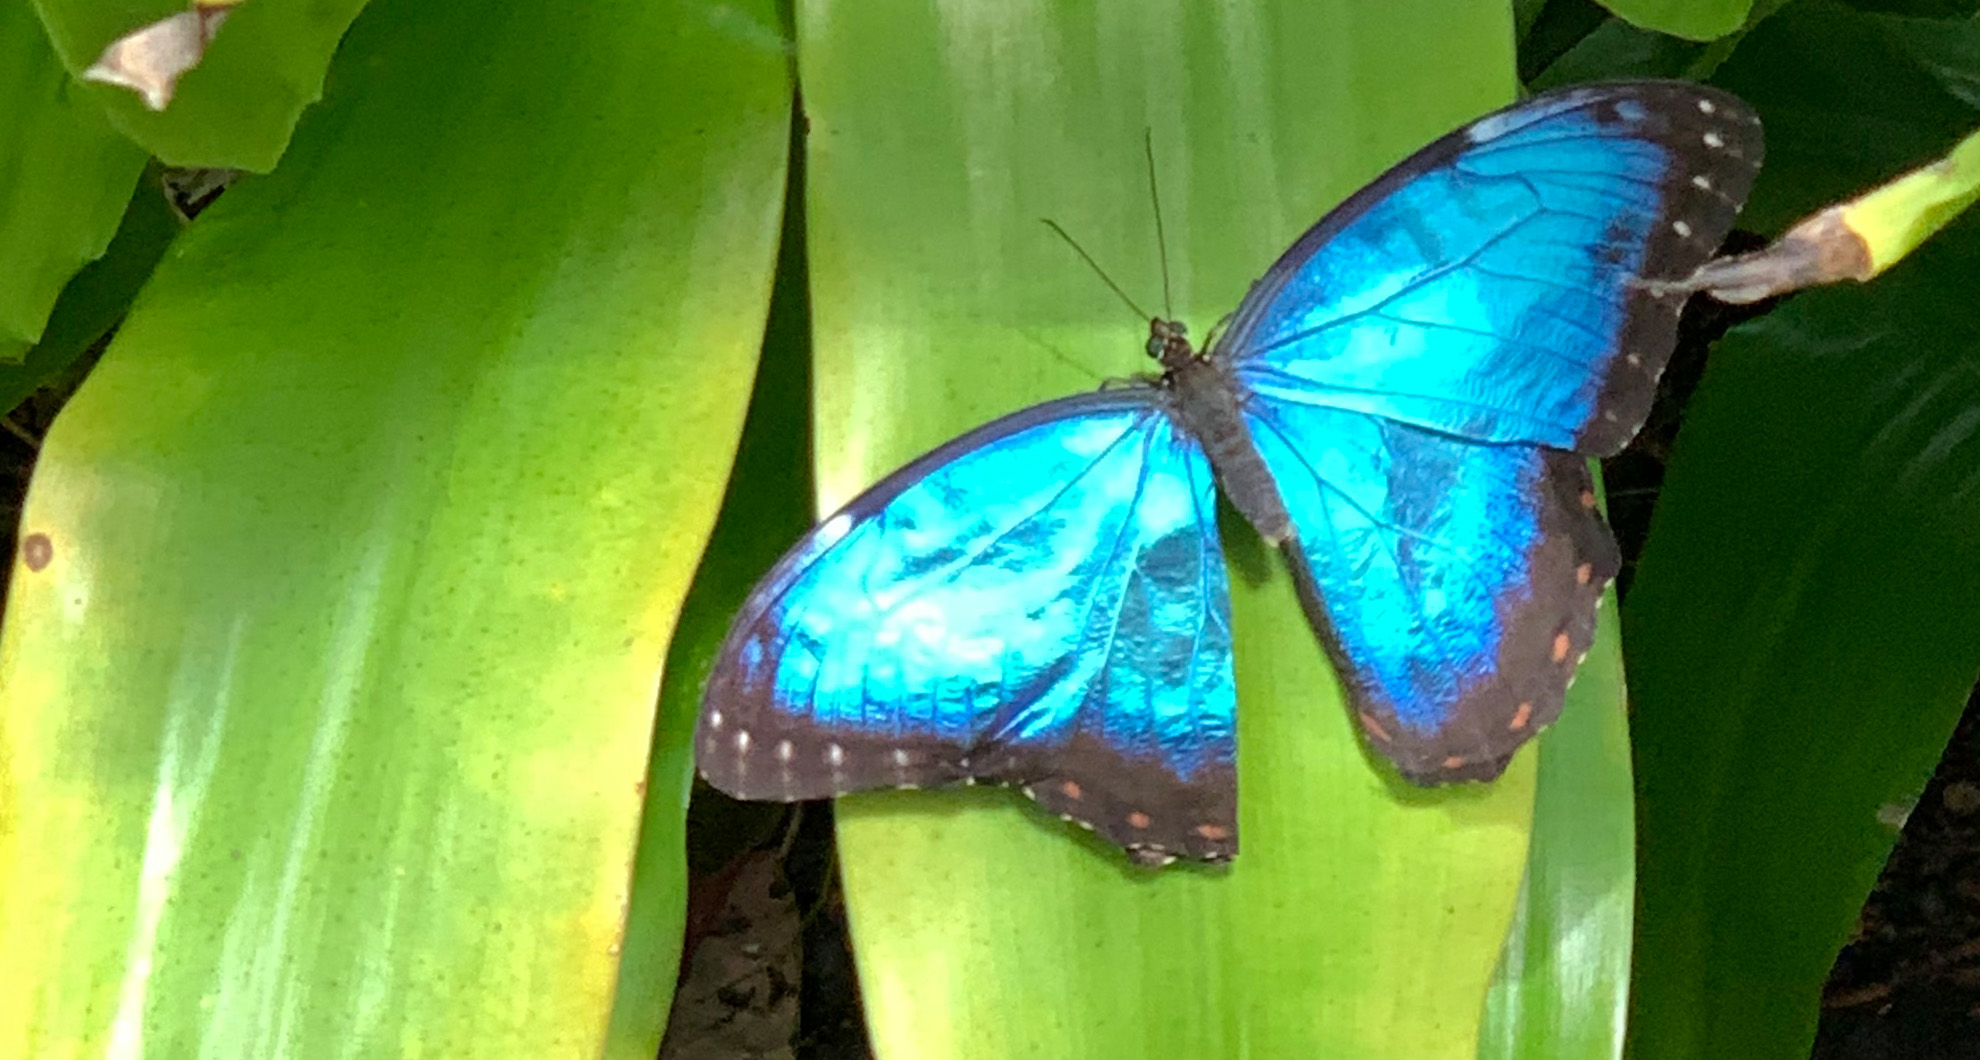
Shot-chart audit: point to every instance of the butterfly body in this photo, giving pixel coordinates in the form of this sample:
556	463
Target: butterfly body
1404	404
1208	403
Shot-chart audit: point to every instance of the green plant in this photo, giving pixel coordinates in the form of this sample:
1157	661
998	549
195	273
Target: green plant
331	651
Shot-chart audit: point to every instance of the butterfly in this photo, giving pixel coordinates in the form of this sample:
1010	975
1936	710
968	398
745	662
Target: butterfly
1404	405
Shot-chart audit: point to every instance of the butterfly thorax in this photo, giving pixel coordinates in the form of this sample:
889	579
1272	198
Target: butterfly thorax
1208	402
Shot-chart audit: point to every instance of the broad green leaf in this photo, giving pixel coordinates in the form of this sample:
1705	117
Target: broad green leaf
1362	918
238	106
329	665
64	178
1801	630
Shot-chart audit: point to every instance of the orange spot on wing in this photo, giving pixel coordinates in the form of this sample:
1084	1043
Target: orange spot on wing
1561	647
1072	789
1588	499
1453	761
1520	717
1584	574
1213	831
1137	819
1375	728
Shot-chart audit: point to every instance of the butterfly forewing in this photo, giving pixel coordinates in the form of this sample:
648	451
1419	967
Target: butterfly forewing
1420	369
1489	287
1042	603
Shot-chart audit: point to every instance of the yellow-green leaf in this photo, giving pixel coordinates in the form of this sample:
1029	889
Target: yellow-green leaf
1362	918
329	661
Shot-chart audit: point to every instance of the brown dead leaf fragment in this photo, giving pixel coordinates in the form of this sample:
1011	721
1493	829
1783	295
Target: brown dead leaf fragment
151	59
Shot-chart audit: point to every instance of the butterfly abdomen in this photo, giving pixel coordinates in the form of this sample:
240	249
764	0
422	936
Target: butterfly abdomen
1207	401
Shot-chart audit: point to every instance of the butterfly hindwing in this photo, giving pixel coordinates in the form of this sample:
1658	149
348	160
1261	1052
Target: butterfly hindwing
1455	583
1488	286
1041	603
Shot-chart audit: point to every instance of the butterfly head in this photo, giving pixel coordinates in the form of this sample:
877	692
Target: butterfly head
1168	343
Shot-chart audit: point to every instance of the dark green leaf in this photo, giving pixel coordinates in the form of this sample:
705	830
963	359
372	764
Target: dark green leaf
98	297
1801	633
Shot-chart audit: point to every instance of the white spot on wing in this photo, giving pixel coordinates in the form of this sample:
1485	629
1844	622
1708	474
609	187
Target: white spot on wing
835	755
831	530
1714	141
742	741
714	719
1682	228
1701	182
784	750
1705	106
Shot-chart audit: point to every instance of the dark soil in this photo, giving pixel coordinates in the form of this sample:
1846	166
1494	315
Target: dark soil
1908	985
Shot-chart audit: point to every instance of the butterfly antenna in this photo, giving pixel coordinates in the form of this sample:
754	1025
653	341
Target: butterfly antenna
1095	266
1161	238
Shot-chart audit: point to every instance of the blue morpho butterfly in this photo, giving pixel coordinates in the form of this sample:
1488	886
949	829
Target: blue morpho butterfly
1405	404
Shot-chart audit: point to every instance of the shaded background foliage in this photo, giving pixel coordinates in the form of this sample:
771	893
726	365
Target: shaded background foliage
1798	628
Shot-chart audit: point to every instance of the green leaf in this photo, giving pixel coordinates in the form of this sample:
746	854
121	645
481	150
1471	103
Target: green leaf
1362	917
98	297
1562	989
237	108
1698	20
1801	629
1616	49
64	178
1848	104
329	664
767	506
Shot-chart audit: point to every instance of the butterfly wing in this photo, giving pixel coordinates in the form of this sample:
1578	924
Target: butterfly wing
1488	286
1454	583
1041	603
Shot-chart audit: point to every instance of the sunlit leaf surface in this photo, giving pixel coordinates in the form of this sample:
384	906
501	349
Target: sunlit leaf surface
329	666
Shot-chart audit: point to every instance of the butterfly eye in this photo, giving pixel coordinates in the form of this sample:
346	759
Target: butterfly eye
1162	334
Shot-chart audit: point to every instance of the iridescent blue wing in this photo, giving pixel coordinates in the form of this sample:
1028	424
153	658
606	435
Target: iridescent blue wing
1454	583
1041	603
1487	287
